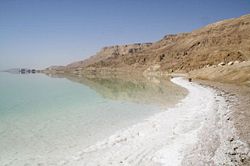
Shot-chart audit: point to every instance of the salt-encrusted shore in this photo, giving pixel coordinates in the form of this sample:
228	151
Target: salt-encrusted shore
191	133
225	139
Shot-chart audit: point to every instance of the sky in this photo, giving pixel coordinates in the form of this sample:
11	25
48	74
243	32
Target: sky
41	33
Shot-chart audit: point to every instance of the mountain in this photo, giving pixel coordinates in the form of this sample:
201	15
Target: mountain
222	42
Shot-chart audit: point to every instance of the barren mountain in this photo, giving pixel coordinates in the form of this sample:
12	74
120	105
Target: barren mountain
224	41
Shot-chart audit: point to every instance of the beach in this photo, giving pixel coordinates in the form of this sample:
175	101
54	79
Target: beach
208	125
191	133
226	139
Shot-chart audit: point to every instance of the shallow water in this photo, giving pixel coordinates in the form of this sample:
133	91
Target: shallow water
44	119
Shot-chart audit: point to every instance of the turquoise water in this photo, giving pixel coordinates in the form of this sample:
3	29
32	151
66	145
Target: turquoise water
46	119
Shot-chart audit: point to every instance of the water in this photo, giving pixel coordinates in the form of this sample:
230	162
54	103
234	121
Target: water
46	119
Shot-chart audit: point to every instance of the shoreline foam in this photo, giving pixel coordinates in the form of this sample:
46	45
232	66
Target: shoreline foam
162	139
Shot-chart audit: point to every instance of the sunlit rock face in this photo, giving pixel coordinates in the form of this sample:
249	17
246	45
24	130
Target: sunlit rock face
224	41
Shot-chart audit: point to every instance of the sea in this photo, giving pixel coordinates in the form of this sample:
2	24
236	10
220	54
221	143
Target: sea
47	118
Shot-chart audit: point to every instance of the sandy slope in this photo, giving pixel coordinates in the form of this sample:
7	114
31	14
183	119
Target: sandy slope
237	73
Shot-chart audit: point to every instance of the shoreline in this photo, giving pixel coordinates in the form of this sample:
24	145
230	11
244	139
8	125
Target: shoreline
164	139
210	126
234	126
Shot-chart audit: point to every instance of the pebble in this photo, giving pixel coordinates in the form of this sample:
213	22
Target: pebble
231	139
233	153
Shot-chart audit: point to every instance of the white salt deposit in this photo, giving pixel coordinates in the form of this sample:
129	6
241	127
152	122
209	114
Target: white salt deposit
160	140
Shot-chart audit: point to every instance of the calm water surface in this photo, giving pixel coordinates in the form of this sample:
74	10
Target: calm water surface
44	119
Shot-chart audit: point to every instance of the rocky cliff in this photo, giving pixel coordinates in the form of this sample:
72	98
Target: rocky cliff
109	53
225	41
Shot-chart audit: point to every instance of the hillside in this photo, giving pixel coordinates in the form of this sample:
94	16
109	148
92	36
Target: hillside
222	42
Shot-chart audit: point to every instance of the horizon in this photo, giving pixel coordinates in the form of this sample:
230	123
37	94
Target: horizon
38	34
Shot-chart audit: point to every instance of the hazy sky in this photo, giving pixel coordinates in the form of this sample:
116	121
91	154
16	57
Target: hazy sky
40	33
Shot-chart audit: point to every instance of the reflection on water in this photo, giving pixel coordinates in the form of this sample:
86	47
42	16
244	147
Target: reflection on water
149	90
46	120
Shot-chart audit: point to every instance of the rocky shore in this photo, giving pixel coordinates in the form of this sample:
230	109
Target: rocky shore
225	140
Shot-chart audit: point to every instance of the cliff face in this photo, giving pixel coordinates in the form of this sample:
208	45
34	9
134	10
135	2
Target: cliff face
110	53
224	41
